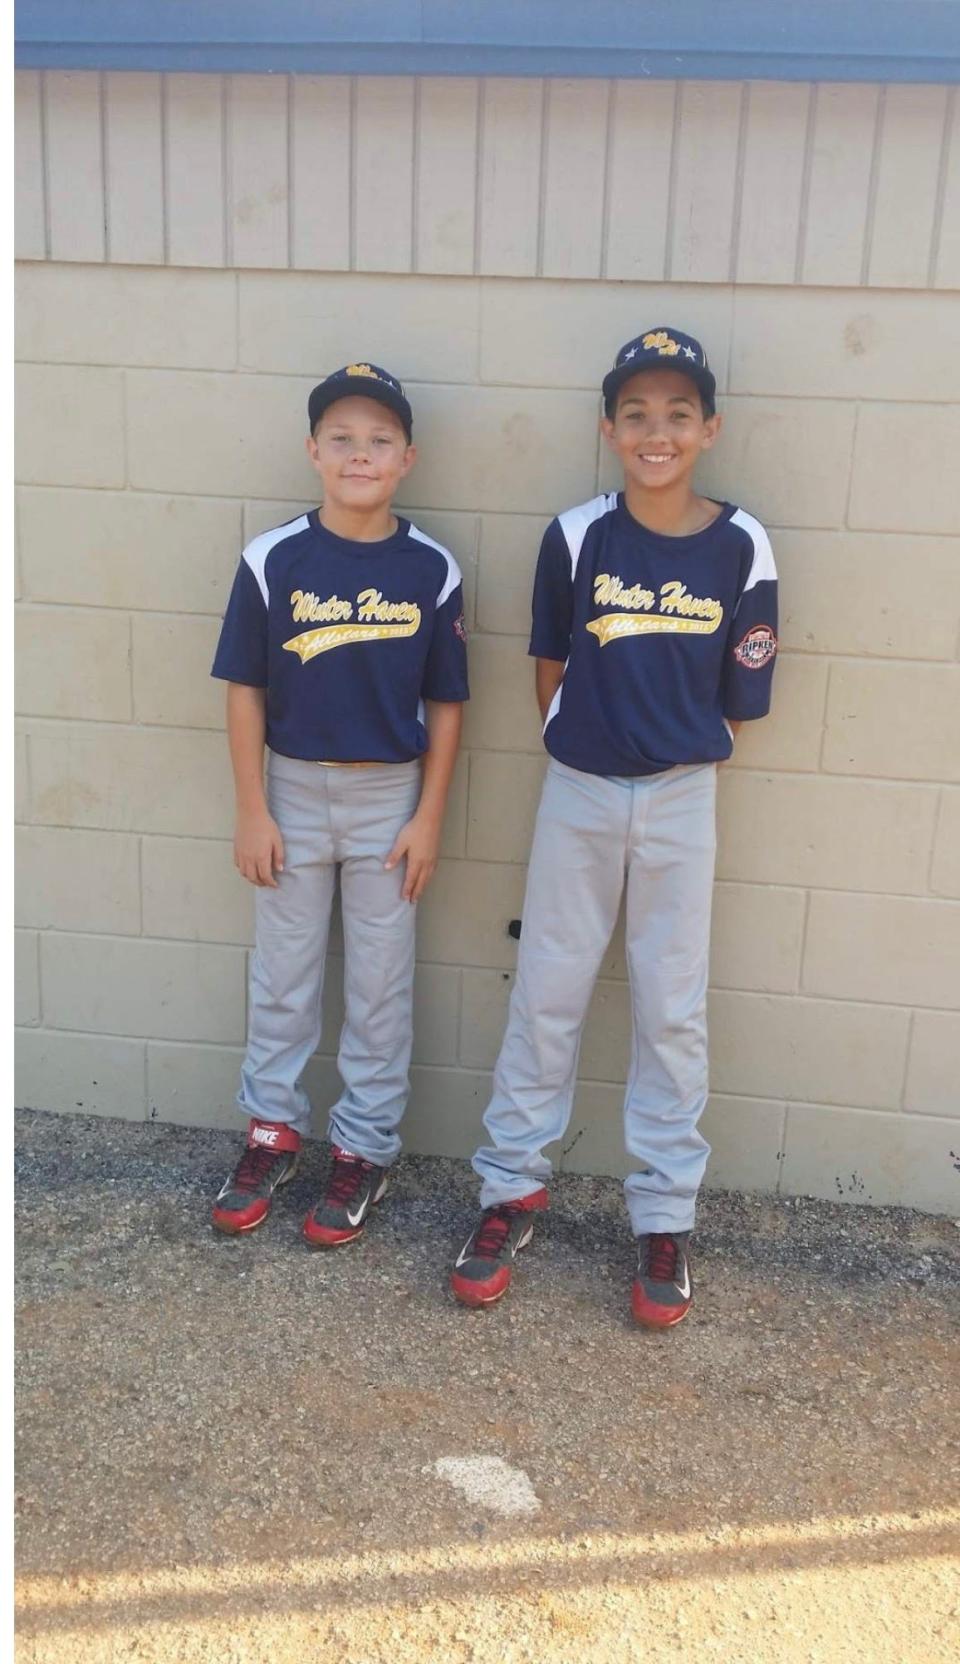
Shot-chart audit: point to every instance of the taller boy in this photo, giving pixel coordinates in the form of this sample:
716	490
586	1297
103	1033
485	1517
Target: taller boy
654	632
343	644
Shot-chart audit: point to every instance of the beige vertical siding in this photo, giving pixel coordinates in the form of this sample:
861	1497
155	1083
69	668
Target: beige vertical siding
75	183
773	181
494	242
321	182
906	200
133	168
445	209
696	181
196	200
30	169
510	168
257	171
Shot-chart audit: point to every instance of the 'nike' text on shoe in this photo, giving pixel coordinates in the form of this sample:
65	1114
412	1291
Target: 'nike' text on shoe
270	1159
353	1188
662	1289
485	1265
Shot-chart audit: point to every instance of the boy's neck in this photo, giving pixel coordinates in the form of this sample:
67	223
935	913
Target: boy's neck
358	525
677	512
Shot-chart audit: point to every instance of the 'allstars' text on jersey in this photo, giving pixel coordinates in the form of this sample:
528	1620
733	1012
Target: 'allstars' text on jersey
666	639
347	638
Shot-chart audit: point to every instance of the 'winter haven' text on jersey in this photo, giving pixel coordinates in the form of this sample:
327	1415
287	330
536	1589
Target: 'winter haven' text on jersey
665	639
347	638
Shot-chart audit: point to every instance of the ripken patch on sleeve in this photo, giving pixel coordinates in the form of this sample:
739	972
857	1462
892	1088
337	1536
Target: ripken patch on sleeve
757	648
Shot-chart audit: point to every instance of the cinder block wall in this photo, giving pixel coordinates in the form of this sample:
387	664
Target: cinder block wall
195	253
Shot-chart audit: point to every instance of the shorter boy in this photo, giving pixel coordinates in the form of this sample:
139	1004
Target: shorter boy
344	648
654	632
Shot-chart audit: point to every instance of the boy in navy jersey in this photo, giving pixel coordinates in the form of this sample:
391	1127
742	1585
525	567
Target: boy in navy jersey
344	648
654	632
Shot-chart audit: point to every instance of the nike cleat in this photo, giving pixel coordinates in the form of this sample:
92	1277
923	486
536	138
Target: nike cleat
269	1160
484	1268
354	1187
662	1290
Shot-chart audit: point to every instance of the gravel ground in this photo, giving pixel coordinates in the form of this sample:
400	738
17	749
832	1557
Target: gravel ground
235	1450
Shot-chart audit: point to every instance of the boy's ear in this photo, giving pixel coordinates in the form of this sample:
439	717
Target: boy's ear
409	458
606	428
711	430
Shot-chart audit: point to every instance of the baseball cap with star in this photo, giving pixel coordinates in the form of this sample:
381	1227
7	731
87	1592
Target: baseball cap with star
368	380
661	348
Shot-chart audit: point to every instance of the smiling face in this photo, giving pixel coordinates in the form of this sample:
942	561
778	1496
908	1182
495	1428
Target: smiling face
659	430
360	451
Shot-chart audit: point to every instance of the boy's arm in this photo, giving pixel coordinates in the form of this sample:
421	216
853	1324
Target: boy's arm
443	690
552	610
419	840
734	728
549	676
241	661
752	645
257	843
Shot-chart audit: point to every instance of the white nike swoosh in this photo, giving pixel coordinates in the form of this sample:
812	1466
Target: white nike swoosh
355	1218
514	1248
684	1287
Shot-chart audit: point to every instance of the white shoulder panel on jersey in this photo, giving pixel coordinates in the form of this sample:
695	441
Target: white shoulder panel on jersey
256	552
575	523
763	567
454	575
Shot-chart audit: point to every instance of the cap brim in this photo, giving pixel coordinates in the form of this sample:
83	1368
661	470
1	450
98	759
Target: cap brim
359	387
705	380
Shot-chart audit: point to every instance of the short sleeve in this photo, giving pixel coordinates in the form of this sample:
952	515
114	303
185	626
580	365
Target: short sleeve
752	643
552	597
241	654
445	672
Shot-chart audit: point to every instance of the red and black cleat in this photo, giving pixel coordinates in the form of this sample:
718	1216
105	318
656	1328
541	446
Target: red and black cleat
662	1290
270	1159
353	1188
485	1265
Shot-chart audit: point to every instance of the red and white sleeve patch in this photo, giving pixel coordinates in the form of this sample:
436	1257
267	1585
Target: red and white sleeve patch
757	648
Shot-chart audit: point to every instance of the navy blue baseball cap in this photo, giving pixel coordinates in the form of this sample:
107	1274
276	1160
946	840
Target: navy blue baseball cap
659	349
368	381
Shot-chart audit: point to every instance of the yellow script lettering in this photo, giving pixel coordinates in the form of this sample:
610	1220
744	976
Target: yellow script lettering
371	605
307	608
674	598
608	591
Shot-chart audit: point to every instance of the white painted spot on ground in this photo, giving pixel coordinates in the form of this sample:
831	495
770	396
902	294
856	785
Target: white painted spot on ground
488	1482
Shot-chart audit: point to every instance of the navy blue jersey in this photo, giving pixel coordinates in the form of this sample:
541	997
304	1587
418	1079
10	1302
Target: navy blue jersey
665	639
347	638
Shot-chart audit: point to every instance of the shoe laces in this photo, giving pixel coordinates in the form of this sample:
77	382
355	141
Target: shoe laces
494	1229
346	1178
253	1167
662	1255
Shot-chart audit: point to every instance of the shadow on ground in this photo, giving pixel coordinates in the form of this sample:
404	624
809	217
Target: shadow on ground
228	1448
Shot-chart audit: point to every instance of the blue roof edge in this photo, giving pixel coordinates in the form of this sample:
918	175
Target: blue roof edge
794	40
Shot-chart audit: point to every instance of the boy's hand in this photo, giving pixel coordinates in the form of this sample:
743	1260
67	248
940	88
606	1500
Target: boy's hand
734	728
258	847
419	841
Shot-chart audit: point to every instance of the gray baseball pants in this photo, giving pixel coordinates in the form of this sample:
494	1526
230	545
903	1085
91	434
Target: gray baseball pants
592	831
330	817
